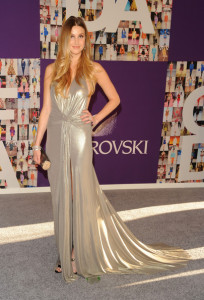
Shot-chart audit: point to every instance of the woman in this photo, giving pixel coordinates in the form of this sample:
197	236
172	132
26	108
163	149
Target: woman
122	50
56	33
45	32
171	66
35	66
56	15
23	115
133	6
44	13
44	49
156	19
91	238
123	34
23	65
11	70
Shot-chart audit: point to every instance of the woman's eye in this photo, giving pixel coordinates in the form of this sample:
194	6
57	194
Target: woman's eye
81	36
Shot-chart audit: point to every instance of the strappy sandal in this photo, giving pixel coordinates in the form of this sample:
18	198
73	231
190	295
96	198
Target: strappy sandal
59	266
73	259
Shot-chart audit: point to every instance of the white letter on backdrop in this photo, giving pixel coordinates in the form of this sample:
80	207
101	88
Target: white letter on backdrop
113	13
7	172
188	141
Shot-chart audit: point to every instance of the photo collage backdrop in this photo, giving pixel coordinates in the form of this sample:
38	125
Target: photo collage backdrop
182	78
128	43
185	74
18	134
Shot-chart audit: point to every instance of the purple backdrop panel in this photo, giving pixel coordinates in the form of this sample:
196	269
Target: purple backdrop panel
186	41
141	89
19	29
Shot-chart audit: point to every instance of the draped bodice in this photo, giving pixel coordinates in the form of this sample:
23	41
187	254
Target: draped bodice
69	109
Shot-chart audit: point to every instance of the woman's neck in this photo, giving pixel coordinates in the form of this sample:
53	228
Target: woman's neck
74	61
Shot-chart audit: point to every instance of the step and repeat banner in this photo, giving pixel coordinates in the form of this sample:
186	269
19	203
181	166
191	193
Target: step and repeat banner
119	30
150	51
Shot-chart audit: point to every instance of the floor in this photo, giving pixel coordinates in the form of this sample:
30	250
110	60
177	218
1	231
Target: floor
28	251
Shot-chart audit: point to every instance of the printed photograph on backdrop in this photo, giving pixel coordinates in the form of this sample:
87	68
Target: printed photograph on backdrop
125	41
18	134
183	78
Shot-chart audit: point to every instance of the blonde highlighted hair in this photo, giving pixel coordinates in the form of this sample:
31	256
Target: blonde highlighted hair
85	68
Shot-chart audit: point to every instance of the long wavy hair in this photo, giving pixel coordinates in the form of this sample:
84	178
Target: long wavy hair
85	68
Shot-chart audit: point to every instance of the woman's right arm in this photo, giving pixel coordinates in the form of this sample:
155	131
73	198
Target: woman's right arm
45	112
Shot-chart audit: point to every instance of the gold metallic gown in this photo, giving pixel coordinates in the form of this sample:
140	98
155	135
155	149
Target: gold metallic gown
102	242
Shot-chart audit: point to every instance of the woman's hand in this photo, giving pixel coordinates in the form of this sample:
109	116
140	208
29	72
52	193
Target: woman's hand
36	156
88	118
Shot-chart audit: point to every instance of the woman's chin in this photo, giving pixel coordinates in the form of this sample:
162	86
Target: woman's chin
76	51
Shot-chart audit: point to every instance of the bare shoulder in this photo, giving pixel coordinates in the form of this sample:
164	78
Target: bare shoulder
99	72
98	68
105	82
49	69
48	72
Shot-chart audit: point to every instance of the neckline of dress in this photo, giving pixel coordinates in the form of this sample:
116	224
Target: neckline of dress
67	94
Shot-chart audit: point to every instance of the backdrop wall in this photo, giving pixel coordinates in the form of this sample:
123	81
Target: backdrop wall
155	136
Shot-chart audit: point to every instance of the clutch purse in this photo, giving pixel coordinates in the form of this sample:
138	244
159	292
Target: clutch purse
44	160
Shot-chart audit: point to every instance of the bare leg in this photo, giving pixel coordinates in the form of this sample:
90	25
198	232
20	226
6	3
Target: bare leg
58	269
72	256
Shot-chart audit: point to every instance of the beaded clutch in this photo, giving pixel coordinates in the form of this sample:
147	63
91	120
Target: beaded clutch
44	160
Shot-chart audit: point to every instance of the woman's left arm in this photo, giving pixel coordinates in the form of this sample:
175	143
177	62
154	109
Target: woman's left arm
106	84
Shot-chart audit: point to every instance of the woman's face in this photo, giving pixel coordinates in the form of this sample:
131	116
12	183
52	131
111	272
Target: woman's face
77	40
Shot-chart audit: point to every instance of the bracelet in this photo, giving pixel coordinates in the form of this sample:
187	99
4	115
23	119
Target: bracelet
36	148
92	121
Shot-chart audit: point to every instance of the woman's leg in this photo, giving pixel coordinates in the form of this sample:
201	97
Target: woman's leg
73	262
58	269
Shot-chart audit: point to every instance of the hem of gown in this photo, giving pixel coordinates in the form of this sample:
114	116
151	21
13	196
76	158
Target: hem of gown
182	256
96	277
127	271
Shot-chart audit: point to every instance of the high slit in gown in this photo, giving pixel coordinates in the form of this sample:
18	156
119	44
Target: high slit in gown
87	221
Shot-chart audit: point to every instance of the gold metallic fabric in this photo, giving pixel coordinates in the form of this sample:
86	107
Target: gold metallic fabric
102	241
